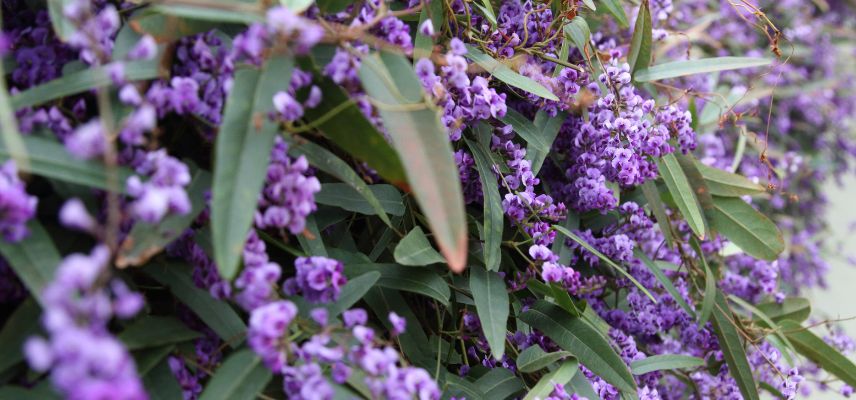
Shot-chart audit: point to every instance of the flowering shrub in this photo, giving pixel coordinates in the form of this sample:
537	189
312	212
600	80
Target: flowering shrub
458	199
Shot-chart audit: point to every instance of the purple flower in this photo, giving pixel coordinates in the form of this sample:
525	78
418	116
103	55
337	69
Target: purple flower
427	28
16	206
318	279
87	141
354	316
398	323
73	215
268	326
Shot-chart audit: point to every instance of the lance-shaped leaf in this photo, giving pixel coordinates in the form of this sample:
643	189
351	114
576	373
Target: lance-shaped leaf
583	341
652	195
579	32
48	158
682	193
676	69
534	359
709	297
493	214
750	230
547	128
242	376
560	376
732	348
615	8
793	308
491	298
726	184
423	144
155	331
339	119
81	81
20	325
423	45
242	152
664	280
415	280
499	383
818	351
11	137
415	249
61	25
664	361
640	44
352	292
218	315
161	383
370	200
507	75
33	259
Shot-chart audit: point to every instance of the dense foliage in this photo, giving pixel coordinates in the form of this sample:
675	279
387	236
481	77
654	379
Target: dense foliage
216	199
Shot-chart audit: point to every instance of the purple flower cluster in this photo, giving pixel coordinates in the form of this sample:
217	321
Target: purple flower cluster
463	100
289	192
84	359
257	282
164	192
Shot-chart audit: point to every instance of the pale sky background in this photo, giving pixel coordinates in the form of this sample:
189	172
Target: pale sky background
838	300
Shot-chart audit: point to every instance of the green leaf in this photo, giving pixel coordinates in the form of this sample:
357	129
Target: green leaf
312	243
524	128
213	14
667	284
726	184
423	143
161	384
243	149
339	119
534	359
40	392
61	25
242	376
342	195
560	376
709	297
491	298
604	258
216	314
12	139
81	81
778	339
20	325
352	292
750	230
146	240
579	32
155	331
793	308
414	280
48	158
583	341
507	75
580	384
455	386
332	6
817	350
487	9
33	259
424	45
615	8
414	249
676	69
652	195
499	384
732	348
547	128
640	44
664	361
683	194
493	213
